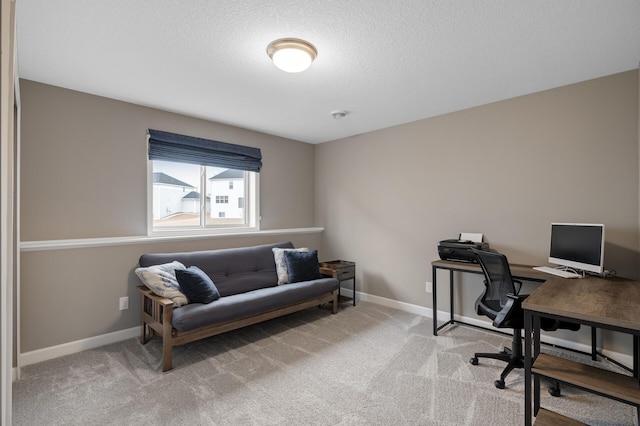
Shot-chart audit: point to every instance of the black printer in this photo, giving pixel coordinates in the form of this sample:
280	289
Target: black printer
459	250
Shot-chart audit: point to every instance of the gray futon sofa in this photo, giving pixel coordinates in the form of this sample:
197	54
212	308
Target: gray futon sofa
247	283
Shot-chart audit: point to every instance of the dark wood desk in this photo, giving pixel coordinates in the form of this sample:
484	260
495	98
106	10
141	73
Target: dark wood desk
612	304
519	272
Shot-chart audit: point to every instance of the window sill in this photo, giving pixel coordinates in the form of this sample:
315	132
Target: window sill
120	241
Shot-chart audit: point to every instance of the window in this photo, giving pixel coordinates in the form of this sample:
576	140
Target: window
178	202
190	197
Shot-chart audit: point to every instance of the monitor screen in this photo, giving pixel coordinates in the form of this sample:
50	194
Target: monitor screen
577	245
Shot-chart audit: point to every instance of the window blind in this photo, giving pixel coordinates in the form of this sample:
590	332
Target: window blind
188	149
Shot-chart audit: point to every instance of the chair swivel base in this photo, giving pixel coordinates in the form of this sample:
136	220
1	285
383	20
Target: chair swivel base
507	356
512	362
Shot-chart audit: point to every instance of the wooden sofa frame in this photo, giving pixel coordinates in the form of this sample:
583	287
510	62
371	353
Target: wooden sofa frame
157	314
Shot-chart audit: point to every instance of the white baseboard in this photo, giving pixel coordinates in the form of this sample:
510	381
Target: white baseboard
390	303
52	352
45	354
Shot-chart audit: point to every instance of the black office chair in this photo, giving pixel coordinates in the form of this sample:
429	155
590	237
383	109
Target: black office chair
502	302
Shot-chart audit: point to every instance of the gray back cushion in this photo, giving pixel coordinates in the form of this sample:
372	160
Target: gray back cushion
233	271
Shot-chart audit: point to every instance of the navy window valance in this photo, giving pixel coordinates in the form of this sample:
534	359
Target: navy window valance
187	149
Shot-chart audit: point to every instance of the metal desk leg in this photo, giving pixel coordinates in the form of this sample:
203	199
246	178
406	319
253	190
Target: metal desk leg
354	288
531	352
636	363
536	352
451	296
434	301
527	368
594	350
636	356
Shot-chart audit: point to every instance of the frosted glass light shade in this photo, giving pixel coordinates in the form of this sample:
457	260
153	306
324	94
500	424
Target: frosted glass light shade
292	55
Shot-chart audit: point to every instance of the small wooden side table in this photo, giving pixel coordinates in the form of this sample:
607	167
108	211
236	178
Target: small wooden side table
342	270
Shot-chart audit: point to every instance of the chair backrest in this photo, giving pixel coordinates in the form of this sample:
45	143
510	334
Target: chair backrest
498	279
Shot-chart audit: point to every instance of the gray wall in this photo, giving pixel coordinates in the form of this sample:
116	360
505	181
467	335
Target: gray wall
385	198
84	175
84	163
506	169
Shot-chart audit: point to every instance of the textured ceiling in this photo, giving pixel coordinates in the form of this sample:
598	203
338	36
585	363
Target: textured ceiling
385	62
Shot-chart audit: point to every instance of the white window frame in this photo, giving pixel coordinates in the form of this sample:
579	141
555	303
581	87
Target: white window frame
251	209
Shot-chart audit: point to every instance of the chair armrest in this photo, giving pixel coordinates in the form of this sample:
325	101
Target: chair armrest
511	309
518	285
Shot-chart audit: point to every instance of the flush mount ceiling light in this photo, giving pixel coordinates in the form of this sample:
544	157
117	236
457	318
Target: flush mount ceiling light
292	54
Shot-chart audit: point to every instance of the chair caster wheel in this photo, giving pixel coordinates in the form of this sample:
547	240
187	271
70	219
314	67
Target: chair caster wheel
554	392
499	384
473	361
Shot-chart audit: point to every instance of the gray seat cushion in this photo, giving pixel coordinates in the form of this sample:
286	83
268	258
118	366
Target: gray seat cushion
195	315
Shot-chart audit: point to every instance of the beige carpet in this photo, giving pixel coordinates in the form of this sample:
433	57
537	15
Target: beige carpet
366	365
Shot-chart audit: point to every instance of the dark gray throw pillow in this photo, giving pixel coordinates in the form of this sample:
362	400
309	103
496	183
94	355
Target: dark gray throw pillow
197	285
302	266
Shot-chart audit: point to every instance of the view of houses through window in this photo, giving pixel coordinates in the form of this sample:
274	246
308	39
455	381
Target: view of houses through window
191	196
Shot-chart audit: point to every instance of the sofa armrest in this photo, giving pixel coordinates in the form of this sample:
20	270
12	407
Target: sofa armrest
157	314
147	293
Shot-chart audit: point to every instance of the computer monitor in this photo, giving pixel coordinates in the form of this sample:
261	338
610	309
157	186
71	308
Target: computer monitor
578	245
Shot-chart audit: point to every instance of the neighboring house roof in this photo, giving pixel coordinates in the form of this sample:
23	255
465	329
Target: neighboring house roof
193	195
159	177
229	174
